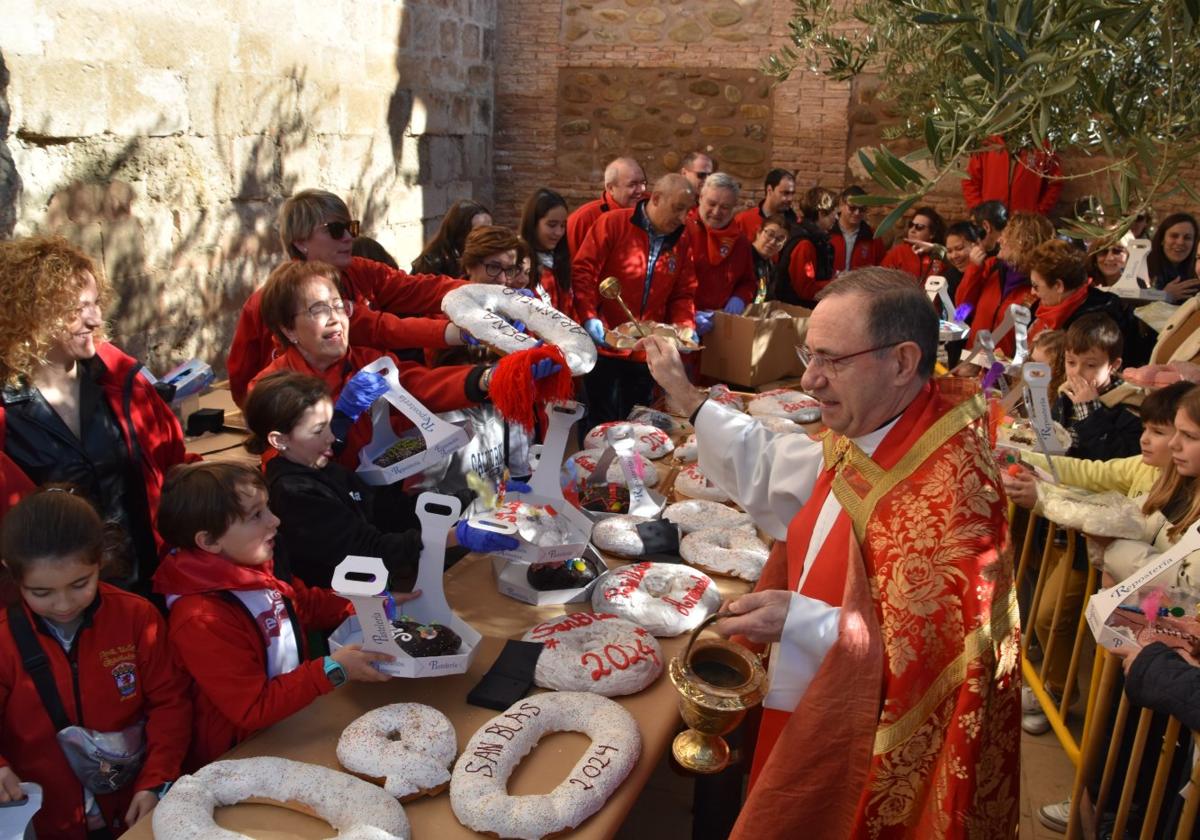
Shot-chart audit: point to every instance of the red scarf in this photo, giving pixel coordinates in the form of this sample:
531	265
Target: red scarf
192	572
1054	316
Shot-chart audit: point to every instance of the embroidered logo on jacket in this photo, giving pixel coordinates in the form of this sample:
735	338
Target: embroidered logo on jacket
125	676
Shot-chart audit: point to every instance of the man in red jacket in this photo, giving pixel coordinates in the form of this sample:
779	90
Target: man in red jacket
725	276
624	187
696	167
854	242
316	225
645	248
1029	183
779	192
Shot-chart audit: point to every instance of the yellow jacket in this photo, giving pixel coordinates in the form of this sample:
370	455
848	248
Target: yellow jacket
1131	476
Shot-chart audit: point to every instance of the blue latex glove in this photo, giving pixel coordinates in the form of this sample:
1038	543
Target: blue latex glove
735	305
470	340
515	486
545	367
595	328
358	394
484	542
704	322
527	292
519	326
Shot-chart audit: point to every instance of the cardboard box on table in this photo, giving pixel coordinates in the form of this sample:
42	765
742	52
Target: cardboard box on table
545	491
756	346
362	579
441	438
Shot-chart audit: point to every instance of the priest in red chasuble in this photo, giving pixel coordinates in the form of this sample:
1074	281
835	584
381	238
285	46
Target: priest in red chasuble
888	605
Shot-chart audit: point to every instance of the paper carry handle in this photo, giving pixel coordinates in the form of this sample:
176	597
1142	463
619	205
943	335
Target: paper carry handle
545	480
357	575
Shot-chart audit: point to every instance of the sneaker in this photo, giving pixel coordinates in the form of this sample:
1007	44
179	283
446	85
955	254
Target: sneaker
1055	815
1033	719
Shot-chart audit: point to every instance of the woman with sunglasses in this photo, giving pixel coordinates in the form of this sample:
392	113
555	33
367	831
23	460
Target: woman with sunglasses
1106	264
393	310
73	408
923	251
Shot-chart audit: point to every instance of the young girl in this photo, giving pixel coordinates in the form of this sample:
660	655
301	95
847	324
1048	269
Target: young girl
325	511
236	628
108	668
544	230
1050	348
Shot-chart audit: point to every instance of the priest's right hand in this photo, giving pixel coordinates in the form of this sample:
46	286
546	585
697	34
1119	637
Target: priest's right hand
759	616
666	366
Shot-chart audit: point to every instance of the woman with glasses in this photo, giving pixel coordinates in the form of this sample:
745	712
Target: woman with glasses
73	408
302	305
1106	264
765	248
544	231
923	251
393	310
443	253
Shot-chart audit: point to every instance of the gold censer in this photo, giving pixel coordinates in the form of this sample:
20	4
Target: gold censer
717	681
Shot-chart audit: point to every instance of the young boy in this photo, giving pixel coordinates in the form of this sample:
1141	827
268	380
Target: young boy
235	627
1099	430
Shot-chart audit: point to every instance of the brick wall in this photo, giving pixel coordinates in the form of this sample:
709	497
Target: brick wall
163	137
539	42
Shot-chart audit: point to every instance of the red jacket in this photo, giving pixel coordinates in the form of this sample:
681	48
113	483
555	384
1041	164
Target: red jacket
920	266
380	294
125	673
226	654
1028	185
585	215
867	249
14	484
152	433
564	302
438	389
983	288
616	246
724	265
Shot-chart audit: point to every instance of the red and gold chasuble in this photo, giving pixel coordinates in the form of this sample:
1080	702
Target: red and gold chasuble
910	728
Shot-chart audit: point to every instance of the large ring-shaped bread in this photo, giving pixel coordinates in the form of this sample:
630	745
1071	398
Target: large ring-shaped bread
585	465
409	746
793	405
693	483
648	440
698	514
478	788
618	535
478	307
595	652
358	809
665	598
725	552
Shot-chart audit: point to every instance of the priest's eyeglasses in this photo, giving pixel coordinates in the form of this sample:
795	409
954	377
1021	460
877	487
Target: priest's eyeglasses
830	364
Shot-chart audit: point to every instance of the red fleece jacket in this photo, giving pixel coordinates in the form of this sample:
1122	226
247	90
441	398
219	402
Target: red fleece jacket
380	294
1026	185
125	673
724	265
585	215
226	654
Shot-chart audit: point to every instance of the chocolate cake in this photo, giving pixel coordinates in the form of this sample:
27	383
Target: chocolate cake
562	574
417	639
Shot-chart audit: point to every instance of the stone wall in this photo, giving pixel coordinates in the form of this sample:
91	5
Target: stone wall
581	81
162	137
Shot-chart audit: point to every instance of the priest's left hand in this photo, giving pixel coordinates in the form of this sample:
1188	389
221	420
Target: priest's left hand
758	616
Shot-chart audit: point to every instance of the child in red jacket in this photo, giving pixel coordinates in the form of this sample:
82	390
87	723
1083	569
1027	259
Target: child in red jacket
108	662
236	628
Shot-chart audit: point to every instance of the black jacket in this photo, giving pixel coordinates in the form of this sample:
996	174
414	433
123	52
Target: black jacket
329	513
805	231
1160	679
1136	351
1108	432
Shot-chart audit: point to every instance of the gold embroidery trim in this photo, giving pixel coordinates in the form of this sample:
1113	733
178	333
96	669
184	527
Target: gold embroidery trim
985	637
860	508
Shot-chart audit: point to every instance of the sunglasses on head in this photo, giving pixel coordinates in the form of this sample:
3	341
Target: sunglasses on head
339	229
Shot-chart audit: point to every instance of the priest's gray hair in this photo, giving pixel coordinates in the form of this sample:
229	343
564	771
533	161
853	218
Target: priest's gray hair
897	310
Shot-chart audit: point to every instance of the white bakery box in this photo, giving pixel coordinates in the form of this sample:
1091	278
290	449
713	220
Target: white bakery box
362	579
441	438
643	501
512	580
